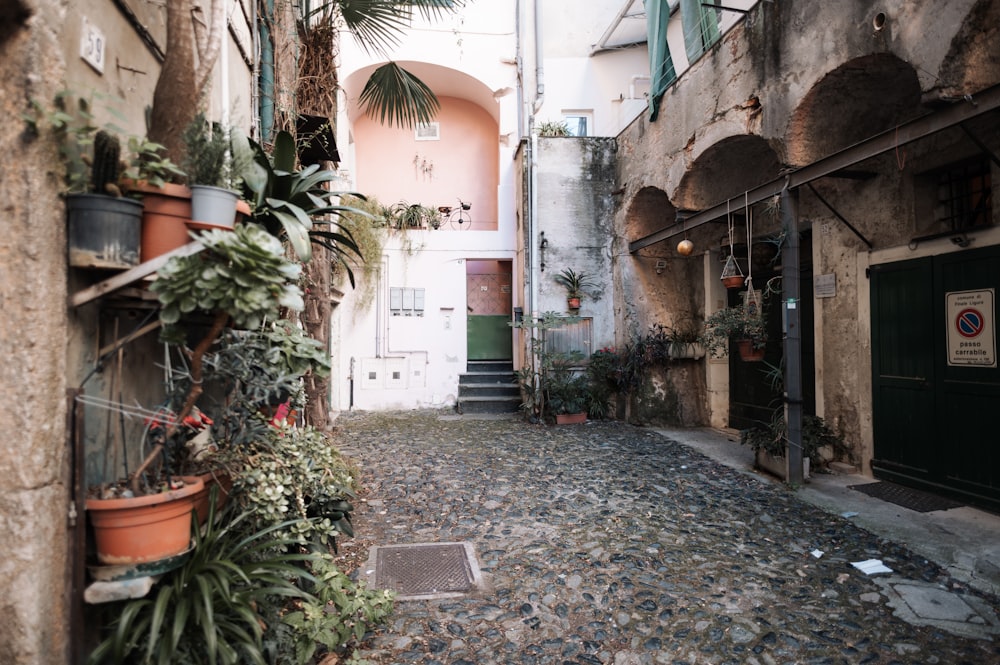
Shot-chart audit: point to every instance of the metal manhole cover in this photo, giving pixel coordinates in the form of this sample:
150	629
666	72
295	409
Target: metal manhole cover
431	570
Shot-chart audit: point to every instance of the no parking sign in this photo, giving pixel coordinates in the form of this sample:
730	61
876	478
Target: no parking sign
971	333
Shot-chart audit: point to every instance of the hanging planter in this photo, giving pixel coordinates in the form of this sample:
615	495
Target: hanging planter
732	277
748	351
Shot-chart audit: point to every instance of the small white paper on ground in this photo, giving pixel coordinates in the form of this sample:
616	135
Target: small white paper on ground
849	514
817	553
871	566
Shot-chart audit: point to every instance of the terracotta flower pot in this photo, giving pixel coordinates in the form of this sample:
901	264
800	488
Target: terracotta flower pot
144	528
571	418
747	352
734	282
573	303
166	212
201	500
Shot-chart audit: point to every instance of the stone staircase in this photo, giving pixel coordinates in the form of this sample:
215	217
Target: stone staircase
489	386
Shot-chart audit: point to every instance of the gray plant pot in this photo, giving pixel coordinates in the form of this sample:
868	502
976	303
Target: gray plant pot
103	231
213	207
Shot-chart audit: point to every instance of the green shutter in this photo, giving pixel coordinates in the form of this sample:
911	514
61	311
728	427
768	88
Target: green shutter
661	66
701	27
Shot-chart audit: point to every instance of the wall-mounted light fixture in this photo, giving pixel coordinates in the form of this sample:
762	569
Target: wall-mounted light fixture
660	266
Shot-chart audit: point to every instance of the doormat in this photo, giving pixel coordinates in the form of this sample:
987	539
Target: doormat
907	497
425	571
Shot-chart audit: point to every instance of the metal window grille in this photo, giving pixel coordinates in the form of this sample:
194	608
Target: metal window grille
965	197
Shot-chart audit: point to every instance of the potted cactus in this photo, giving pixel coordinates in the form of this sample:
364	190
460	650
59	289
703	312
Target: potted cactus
102	225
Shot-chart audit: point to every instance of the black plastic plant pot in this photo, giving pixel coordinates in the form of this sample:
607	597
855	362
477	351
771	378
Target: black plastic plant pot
103	232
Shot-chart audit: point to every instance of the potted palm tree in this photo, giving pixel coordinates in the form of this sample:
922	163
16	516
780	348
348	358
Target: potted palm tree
574	283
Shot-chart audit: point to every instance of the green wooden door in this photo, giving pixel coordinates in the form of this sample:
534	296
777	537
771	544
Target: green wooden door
936	382
968	392
903	369
488	297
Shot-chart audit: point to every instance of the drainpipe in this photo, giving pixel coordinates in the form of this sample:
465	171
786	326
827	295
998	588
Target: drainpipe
532	161
266	75
790	290
383	270
539	69
255	73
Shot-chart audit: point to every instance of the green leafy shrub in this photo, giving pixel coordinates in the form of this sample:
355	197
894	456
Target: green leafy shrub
242	273
338	615
294	476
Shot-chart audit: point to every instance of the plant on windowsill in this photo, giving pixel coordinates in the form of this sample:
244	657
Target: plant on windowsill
684	342
574	283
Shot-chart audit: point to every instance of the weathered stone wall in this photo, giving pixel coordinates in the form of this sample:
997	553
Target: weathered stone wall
575	177
34	491
792	84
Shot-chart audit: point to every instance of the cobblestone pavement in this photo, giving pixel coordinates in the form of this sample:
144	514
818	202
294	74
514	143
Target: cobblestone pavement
606	543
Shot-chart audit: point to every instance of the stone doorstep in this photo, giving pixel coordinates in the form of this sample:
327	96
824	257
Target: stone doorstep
923	604
842	469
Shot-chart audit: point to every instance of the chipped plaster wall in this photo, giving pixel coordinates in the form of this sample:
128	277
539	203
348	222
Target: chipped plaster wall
575	177
33	463
781	53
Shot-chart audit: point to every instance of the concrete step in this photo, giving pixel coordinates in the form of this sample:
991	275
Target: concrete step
474	366
488	389
493	404
487	377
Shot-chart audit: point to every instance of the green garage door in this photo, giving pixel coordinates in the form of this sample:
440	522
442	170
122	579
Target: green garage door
936	380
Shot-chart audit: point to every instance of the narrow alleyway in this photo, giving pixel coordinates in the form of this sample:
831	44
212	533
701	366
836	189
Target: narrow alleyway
605	543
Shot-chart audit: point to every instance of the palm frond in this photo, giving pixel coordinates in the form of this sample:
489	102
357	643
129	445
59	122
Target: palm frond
398	97
377	25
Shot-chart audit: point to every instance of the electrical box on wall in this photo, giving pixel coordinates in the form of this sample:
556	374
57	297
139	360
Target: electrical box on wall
406	301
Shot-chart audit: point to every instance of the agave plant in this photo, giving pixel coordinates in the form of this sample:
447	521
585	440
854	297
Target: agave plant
290	203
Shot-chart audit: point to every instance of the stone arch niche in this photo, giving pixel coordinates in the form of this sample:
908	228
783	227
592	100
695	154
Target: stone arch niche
649	211
727	169
973	61
855	101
